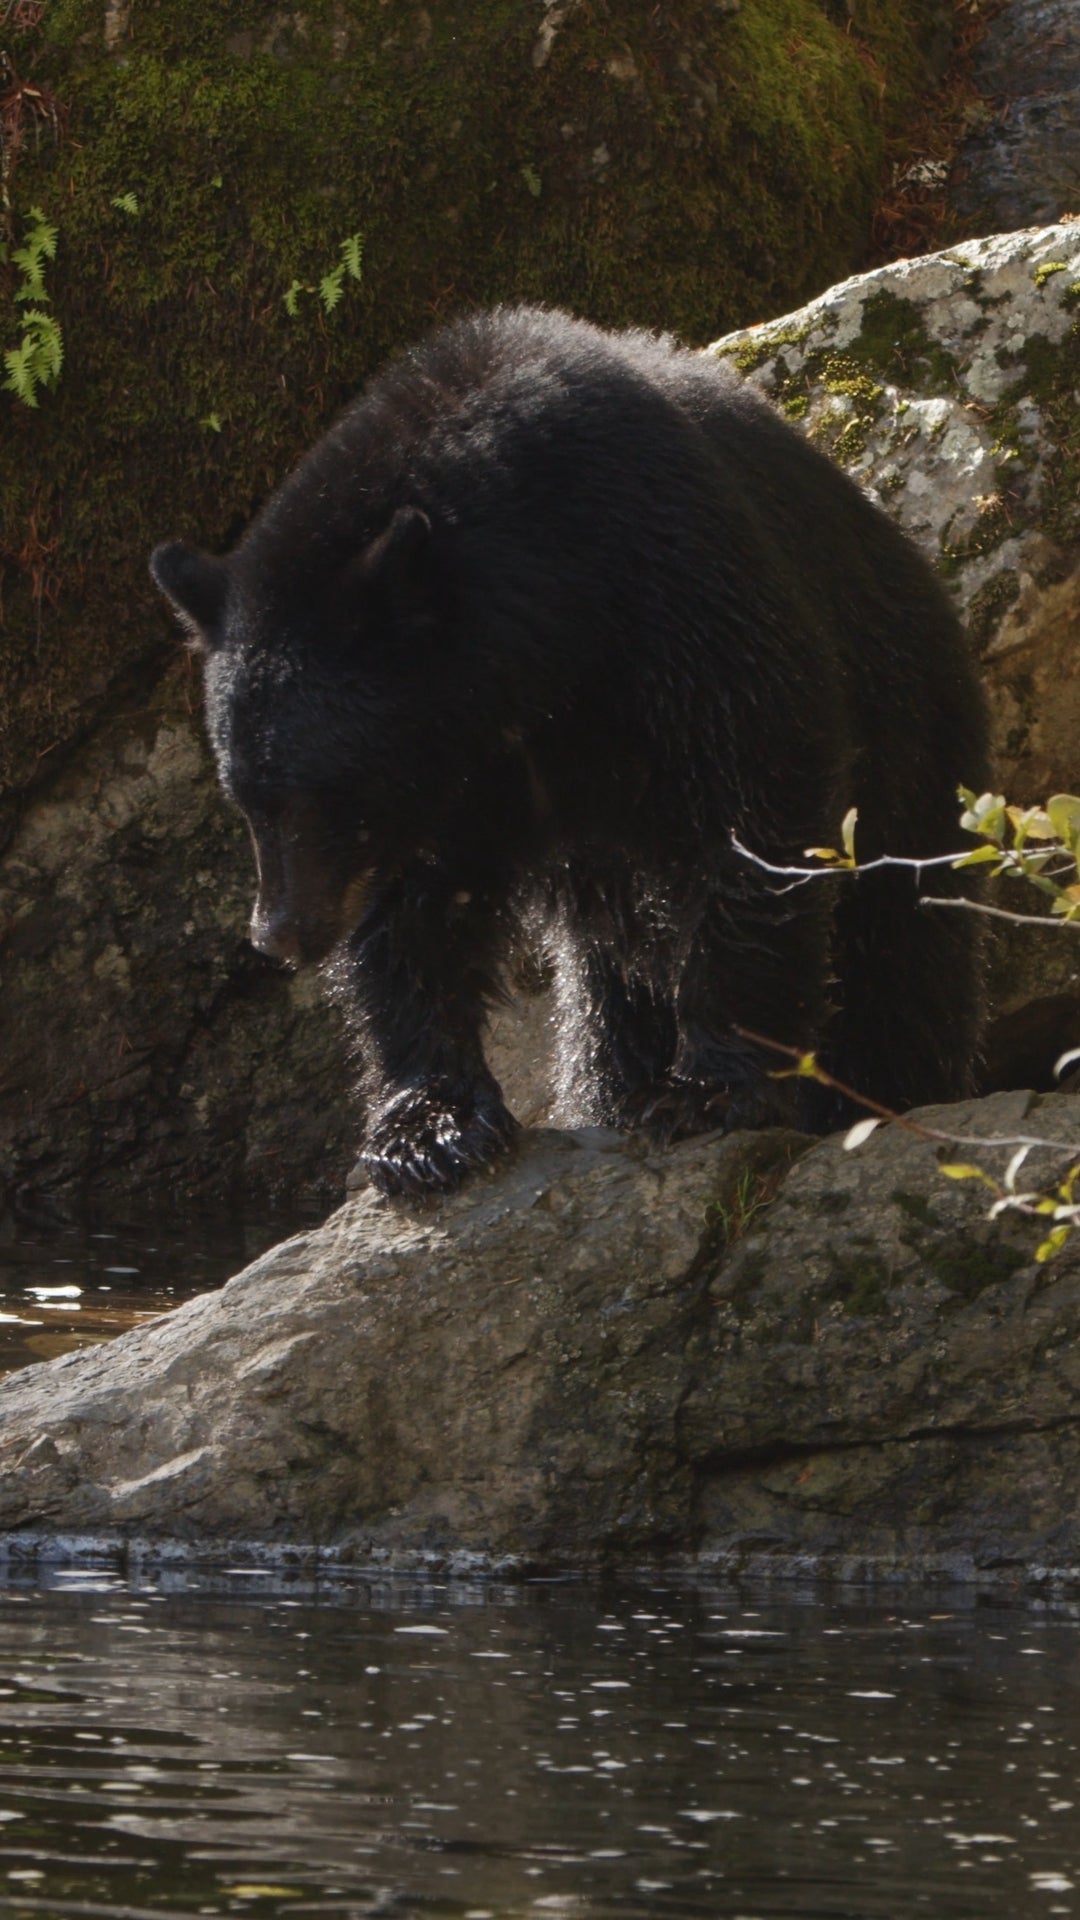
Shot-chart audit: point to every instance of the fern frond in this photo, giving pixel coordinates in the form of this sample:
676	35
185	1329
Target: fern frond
330	288
20	376
43	235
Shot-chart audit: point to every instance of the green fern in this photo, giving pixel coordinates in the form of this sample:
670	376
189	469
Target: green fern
37	360
126	203
38	246
352	251
39	357
331	286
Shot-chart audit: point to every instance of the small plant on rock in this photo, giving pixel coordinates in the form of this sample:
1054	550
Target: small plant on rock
36	361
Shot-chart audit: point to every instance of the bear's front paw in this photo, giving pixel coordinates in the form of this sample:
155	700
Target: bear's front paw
428	1138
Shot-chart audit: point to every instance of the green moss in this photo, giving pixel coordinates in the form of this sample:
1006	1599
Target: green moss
832	1205
861	1284
988	606
1048	373
763	344
994	522
967	1267
1049	267
725	166
915	1207
892	348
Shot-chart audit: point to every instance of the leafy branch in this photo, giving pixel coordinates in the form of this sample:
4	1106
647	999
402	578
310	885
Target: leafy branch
1057	1201
1039	845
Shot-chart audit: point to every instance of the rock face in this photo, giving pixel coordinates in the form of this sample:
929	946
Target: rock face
602	1354
947	386
1022	167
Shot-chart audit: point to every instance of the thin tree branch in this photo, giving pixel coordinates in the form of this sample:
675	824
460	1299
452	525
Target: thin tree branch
999	913
1067	1149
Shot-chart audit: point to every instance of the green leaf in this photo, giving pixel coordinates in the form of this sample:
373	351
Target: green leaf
351	255
532	181
29	262
43	235
847	832
127	203
1063	813
1053	1243
978	857
292	298
330	288
20	379
986	815
963	1170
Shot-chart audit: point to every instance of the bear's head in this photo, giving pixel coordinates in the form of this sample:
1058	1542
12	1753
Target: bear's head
310	686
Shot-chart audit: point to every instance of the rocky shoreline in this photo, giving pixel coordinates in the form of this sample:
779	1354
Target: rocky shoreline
756	1355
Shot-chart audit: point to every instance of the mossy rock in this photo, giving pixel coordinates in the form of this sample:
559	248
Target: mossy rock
693	168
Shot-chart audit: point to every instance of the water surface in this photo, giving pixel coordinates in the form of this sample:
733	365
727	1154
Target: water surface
483	1752
76	1285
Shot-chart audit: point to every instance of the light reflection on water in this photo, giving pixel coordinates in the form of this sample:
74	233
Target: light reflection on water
76	1285
551	1750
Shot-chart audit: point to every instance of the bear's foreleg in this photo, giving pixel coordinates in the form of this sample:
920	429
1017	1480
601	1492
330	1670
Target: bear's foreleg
417	980
616	1035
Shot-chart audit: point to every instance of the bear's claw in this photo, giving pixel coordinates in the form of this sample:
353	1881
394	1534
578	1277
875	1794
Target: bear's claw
429	1138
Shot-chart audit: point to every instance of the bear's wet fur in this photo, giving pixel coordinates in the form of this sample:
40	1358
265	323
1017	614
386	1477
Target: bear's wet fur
546	618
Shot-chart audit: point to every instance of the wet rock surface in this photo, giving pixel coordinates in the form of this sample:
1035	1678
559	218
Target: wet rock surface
1022	166
759	1352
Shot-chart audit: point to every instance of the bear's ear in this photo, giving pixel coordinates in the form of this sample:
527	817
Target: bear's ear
387	557
197	585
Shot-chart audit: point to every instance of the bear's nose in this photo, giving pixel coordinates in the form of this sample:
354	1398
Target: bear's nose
275	935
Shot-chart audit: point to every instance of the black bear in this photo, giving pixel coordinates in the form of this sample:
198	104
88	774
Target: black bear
546	618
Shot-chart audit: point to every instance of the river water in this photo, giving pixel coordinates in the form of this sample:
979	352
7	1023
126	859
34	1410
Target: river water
237	1745
75	1285
484	1753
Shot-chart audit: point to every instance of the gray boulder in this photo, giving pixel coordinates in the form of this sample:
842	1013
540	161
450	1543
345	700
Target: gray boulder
752	1352
1020	165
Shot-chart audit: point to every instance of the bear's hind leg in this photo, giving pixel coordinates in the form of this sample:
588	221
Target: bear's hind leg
757	964
637	1055
908	1027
